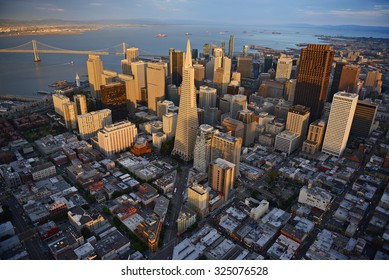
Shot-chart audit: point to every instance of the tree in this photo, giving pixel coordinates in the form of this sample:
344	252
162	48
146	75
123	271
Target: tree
271	178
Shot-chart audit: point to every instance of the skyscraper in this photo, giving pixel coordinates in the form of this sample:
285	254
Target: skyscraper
95	71
349	78
245	66
284	67
364	118
80	101
313	78
202	150
199	75
90	123
176	66
187	121
339	123
138	69
245	50
116	137
206	50
69	115
247	118
268	63
222	176
58	101
169	124
315	137
207	97
226	147
336	79
131	92
231	47
132	55
198	198
113	97
373	81
156	77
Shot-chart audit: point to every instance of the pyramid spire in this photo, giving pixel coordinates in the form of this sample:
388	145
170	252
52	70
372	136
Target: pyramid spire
188	55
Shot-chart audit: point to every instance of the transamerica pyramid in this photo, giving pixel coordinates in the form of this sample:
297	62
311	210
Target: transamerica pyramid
187	120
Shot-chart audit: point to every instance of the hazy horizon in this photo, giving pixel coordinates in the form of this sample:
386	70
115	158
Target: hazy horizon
253	12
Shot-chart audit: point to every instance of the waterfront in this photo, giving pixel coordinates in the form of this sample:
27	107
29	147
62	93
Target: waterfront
22	77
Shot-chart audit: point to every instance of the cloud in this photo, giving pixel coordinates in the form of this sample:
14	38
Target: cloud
96	4
349	13
52	9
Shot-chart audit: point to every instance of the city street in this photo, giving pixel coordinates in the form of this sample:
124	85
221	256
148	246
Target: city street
170	238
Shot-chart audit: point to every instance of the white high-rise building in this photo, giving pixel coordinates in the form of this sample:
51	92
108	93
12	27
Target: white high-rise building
58	101
95	72
116	137
207	98
70	115
284	67
339	123
187	121
169	124
90	123
80	102
156	77
202	150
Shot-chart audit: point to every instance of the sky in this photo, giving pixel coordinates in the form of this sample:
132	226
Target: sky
251	12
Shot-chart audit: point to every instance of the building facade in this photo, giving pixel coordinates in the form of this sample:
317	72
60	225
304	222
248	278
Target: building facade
313	78
315	137
221	176
58	101
339	123
156	77
202	150
90	123
364	118
187	120
95	71
80	102
116	137
226	147
198	198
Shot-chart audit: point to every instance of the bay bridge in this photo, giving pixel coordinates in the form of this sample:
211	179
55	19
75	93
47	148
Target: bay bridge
37	47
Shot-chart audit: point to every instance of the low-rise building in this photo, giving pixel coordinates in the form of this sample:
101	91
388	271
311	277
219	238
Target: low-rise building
80	218
287	142
111	245
185	220
43	170
315	197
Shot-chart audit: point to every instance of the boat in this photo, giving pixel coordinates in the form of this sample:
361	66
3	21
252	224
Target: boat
301	44
160	35
276	32
44	92
188	33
